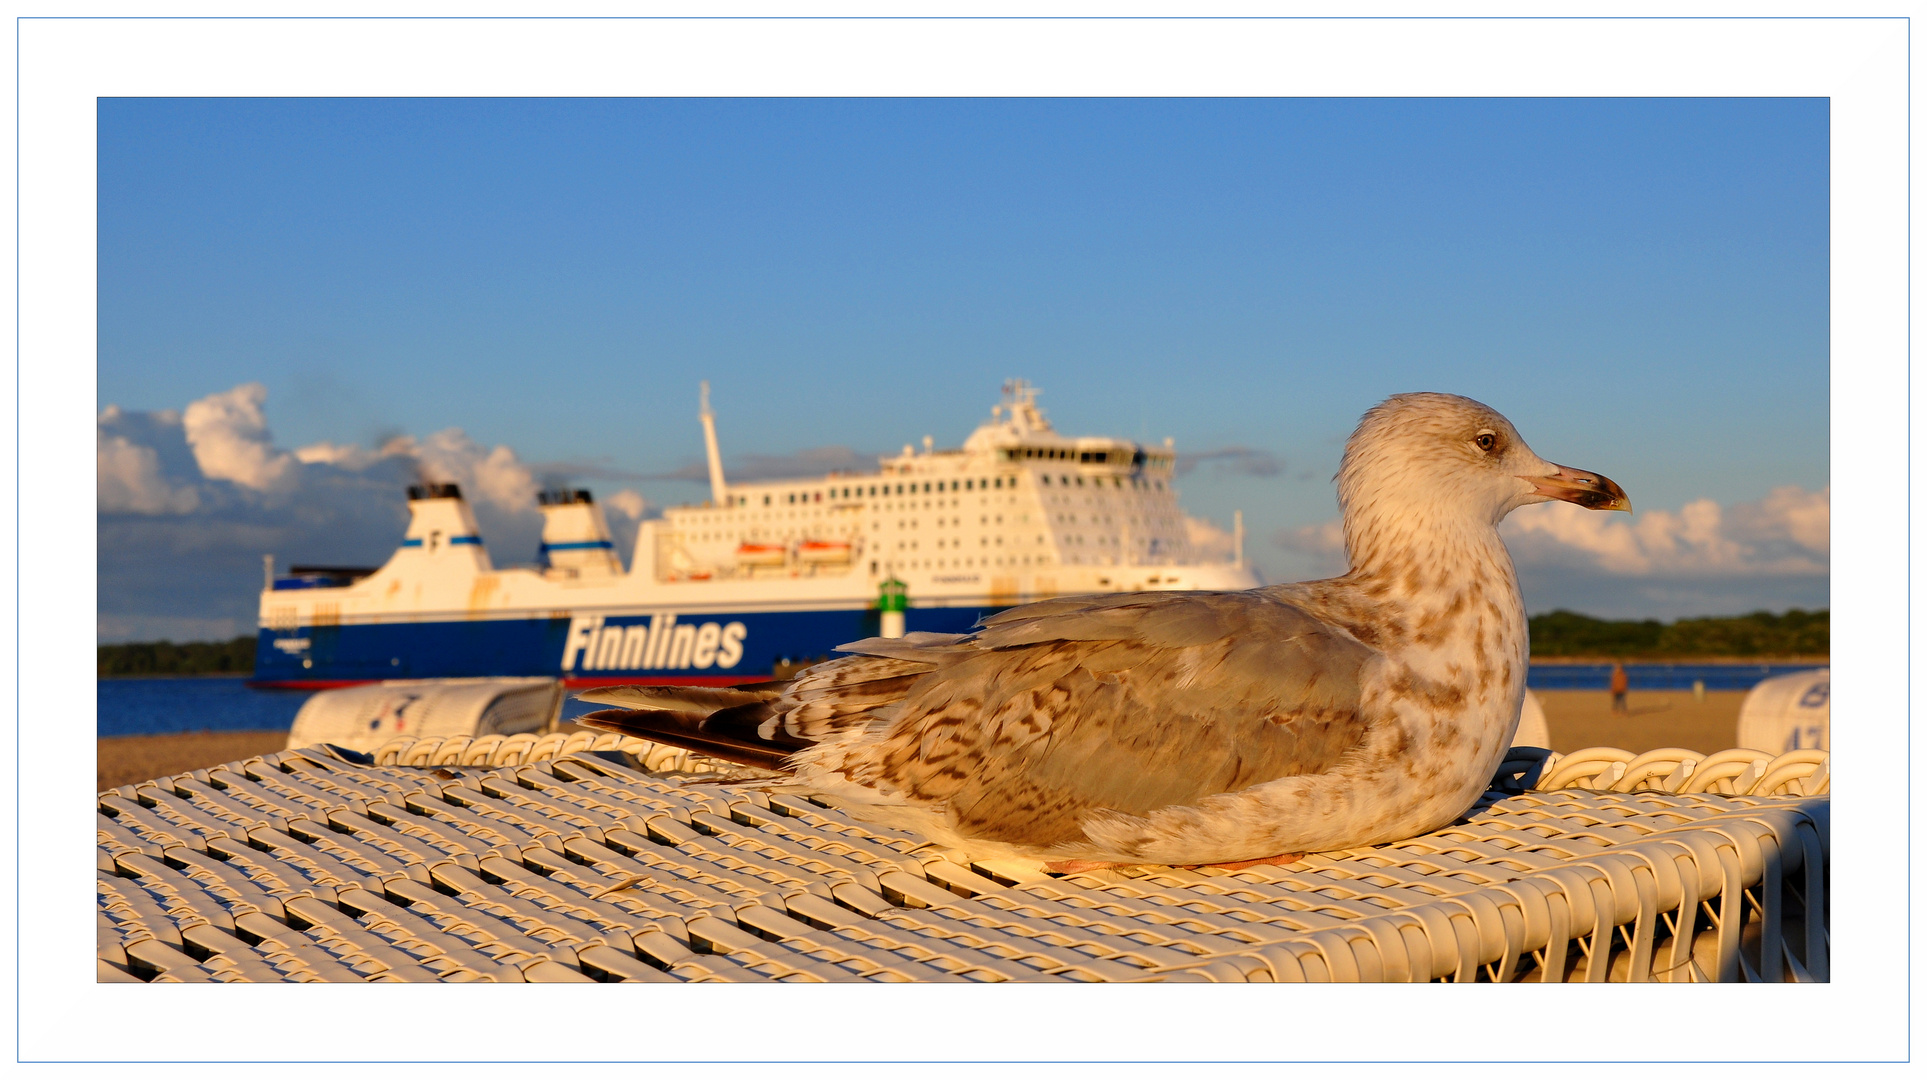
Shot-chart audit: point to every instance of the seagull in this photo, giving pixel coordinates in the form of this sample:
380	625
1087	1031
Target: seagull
1189	728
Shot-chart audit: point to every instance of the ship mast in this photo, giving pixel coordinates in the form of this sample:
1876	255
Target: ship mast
716	485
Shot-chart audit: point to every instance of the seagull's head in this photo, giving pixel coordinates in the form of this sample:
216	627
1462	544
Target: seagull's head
1441	455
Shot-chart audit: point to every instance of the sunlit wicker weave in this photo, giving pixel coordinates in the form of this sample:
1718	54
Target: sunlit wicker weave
557	860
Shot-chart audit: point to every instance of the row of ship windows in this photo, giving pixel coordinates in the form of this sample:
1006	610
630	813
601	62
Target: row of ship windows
986	541
760	534
1096	500
945	564
928	486
704	519
912	523
1086	457
982	541
886	490
1106	519
1138	482
940	522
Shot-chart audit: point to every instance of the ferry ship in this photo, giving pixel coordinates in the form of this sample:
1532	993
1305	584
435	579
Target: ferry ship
759	579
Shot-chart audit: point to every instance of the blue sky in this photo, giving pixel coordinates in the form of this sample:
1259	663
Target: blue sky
1640	284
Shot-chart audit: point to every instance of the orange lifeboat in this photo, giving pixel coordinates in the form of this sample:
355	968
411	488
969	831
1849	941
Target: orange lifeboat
748	554
823	551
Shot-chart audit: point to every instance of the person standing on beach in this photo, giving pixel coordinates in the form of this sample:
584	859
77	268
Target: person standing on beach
1619	683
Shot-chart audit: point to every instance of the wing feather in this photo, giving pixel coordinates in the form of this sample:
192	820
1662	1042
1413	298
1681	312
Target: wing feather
1050	713
675	698
1125	702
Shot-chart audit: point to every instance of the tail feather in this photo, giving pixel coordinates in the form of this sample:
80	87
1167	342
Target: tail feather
762	724
917	646
701	700
693	731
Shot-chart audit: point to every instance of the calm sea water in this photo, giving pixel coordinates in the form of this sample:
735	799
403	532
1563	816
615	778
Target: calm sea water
163	706
1657	676
213	703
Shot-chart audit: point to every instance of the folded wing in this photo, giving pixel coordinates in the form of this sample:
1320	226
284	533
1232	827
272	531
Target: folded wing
1128	703
1049	712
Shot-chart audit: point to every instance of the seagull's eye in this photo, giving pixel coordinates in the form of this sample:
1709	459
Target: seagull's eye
1486	441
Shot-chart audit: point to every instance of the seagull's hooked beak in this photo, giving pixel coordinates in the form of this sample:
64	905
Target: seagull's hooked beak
1588	489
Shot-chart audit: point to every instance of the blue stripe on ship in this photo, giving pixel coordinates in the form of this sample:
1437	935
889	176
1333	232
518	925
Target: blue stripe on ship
533	646
579	545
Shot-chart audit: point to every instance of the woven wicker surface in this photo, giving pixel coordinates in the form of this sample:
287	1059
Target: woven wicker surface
564	861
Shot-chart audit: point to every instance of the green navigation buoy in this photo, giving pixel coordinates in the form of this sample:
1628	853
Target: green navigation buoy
893	599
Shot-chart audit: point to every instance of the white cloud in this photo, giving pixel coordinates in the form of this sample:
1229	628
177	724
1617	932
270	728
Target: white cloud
1234	461
1784	534
494	476
231	455
1789	515
1208	542
628	502
129	479
229	434
189	502
1324	543
345	457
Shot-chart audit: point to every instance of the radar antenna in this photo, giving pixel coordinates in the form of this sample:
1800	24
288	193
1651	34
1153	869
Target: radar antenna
1021	401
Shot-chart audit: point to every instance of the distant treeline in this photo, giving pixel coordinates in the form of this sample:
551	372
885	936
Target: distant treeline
1566	633
188	658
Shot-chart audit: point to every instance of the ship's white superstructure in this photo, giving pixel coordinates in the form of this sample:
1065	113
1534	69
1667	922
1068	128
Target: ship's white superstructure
1018	513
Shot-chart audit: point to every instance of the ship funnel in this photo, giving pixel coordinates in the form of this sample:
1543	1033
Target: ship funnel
575	536
441	527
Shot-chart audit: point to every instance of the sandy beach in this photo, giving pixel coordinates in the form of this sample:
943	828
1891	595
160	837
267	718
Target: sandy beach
1653	719
133	758
1577	718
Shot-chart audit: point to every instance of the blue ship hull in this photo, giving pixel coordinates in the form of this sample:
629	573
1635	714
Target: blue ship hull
719	648
716	648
